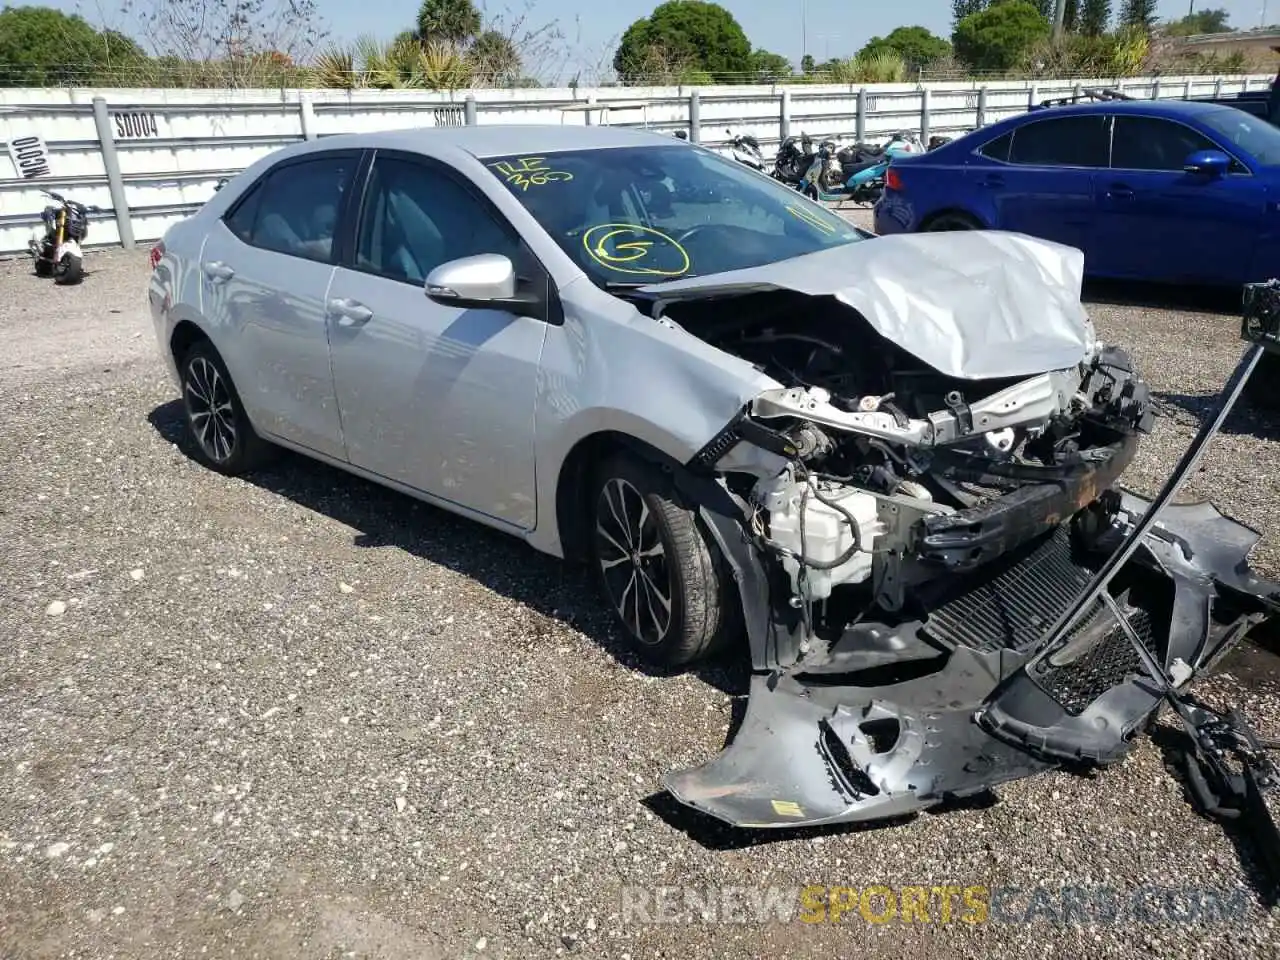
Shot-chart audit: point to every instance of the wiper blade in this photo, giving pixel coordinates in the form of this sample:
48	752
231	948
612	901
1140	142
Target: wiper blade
612	285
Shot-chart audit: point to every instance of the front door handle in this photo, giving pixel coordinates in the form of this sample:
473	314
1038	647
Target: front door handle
349	312
217	271
1120	191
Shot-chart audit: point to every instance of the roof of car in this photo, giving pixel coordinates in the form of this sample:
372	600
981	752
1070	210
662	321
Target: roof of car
498	139
1169	108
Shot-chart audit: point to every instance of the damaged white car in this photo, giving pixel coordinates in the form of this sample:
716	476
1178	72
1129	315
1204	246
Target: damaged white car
885	465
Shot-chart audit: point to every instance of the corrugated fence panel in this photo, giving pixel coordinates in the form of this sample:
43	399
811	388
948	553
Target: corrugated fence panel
174	145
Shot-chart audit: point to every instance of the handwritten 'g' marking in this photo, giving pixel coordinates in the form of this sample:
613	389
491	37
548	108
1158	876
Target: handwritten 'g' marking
608	244
529	172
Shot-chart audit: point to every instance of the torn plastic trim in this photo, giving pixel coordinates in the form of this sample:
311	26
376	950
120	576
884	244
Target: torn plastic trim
803	756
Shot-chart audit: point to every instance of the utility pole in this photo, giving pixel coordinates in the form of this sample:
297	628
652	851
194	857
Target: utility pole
1059	11
804	28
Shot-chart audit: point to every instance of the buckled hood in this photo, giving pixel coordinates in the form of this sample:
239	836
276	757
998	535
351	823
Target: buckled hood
971	304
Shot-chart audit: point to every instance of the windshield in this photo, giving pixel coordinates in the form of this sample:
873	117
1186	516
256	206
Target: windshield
1255	137
637	215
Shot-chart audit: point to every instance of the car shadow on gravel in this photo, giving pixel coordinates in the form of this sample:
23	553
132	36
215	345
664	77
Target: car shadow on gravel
1192	409
384	518
1160	296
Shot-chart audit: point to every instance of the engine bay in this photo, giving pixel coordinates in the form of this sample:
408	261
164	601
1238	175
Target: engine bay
884	455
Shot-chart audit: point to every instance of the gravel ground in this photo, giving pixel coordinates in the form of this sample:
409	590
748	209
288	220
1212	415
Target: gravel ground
296	715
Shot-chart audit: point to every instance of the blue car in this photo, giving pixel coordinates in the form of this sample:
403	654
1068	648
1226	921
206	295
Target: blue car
1170	190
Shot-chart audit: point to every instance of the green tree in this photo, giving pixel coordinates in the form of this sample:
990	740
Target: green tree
705	36
916	45
767	66
999	37
808	64
1094	17
40	46
449	21
494	56
1202	21
1138	13
967	8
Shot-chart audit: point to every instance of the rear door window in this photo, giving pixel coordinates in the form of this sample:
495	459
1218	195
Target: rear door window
295	208
1077	141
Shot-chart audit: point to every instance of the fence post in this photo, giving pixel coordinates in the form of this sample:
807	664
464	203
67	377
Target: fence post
924	115
469	110
1217	88
860	121
695	117
590	111
1076	91
784	116
1155	89
1244	83
307	115
111	162
1186	94
1032	95
982	105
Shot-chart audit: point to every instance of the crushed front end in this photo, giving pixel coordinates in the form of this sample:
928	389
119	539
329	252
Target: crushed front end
904	540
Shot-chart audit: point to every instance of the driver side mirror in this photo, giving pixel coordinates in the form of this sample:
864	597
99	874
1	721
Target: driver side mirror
482	280
1207	163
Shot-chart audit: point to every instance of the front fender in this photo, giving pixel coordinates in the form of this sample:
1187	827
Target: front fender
71	247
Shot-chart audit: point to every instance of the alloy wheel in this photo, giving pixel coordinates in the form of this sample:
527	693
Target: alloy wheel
209	410
633	561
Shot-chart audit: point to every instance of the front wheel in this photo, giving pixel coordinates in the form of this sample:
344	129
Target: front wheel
665	582
70	270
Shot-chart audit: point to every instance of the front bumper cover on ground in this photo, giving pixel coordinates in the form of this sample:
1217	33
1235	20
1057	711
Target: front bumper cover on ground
1058	653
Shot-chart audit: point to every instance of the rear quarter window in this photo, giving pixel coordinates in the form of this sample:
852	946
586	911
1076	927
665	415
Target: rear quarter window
997	149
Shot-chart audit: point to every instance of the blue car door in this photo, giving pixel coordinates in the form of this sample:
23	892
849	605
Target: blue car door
1045	187
1159	222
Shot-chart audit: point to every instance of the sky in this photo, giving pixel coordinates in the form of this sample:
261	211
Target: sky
828	28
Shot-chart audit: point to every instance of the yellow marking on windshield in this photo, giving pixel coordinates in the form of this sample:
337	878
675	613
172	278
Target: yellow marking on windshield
812	219
624	246
527	172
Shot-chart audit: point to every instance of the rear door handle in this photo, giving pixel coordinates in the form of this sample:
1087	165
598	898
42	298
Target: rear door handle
349	312
217	271
992	180
1120	191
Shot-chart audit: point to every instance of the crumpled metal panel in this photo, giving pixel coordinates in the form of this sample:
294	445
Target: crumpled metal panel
972	304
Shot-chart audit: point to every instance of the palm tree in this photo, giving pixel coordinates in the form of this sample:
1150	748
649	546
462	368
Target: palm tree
451	21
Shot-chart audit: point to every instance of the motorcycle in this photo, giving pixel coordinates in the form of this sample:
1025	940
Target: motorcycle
55	246
857	173
745	149
793	160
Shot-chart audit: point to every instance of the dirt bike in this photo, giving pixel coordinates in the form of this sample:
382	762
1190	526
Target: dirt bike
56	245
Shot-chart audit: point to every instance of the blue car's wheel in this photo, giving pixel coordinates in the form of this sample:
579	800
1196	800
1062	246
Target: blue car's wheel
951	221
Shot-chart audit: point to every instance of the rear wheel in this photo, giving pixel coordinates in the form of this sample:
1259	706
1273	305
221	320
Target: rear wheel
952	221
225	440
666	583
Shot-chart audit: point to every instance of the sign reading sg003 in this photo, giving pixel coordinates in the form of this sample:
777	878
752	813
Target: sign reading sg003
30	157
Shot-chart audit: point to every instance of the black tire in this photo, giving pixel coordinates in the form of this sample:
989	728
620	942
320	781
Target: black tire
225	441
70	270
1263	389
952	221
646	543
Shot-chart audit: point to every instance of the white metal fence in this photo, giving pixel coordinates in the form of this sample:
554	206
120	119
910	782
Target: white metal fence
151	157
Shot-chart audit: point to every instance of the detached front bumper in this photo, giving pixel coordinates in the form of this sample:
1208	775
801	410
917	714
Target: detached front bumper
985	705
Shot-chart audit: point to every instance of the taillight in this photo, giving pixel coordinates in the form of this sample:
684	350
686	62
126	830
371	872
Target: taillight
892	179
157	253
